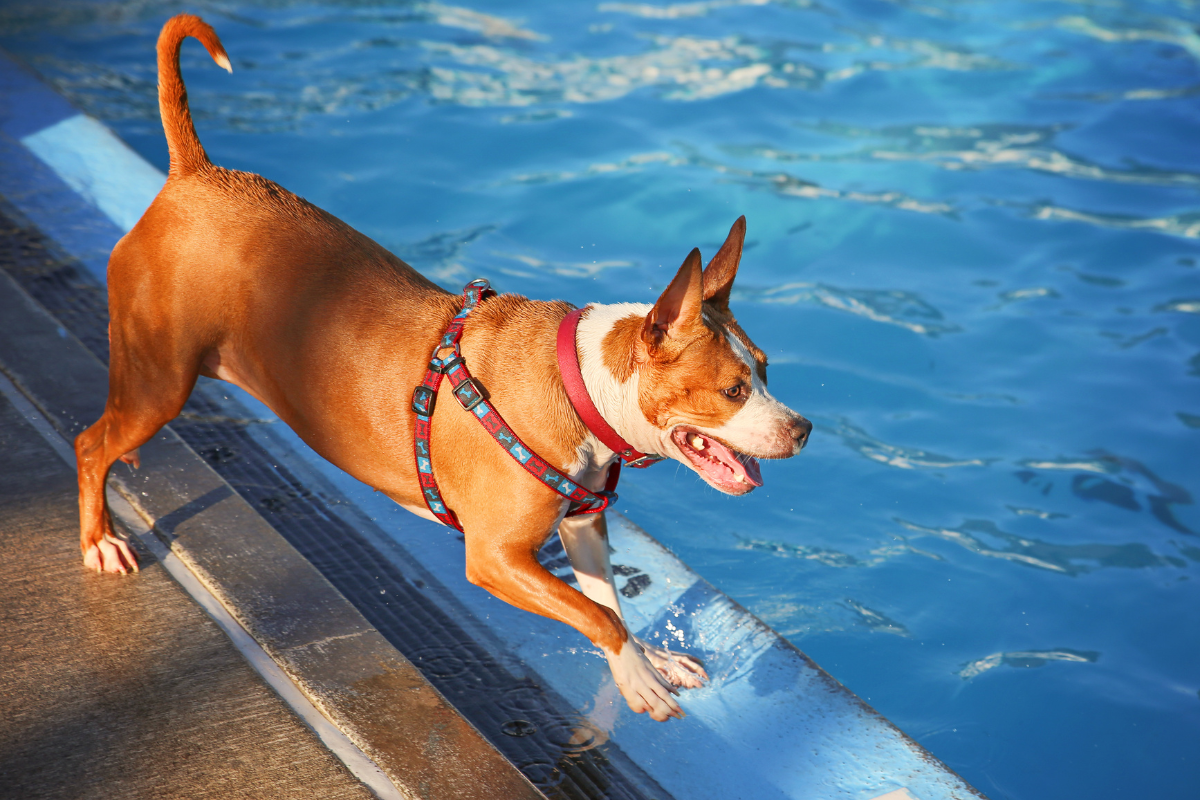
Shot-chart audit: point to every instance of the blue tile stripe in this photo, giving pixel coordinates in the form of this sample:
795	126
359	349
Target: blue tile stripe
66	173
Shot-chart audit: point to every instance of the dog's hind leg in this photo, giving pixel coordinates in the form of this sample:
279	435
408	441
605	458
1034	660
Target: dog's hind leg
149	381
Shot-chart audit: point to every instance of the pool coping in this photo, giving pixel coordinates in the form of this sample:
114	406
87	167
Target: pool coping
354	676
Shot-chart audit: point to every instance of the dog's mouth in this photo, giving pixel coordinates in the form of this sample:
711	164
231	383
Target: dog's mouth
726	469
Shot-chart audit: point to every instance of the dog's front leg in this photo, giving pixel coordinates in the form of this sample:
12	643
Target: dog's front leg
585	538
502	558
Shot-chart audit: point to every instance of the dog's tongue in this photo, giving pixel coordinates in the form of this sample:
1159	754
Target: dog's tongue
743	465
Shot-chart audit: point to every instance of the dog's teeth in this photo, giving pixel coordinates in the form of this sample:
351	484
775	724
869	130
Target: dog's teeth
697	443
739	479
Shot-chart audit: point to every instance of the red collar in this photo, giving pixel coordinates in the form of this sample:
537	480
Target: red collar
568	365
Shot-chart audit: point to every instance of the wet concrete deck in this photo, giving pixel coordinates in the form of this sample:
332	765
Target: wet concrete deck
124	687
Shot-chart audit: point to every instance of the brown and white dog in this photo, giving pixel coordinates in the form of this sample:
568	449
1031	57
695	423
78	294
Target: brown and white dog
230	276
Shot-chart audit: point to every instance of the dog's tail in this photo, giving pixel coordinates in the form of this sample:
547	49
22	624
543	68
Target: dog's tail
187	154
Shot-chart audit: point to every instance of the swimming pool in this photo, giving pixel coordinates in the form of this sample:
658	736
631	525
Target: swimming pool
974	265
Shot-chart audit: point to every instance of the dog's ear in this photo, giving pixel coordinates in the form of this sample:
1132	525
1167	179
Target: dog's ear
720	272
679	305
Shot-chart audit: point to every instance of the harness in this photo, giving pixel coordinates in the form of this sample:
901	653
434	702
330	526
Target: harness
466	391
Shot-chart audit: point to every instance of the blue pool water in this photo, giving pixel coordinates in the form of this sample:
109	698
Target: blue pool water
973	259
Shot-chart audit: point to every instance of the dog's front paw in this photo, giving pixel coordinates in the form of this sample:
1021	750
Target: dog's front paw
111	554
680	669
642	685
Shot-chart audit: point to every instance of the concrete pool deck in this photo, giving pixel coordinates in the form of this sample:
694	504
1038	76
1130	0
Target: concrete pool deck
125	684
366	701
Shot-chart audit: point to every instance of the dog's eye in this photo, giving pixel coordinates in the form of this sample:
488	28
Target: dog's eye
734	392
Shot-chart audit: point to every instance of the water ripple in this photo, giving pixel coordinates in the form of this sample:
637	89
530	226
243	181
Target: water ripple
677	10
683	67
633	163
876	620
1117	481
894	455
1189	306
833	558
1185	225
890	306
927	55
973	147
438	256
1025	659
1170	31
1156	93
1075	559
486	24
569	269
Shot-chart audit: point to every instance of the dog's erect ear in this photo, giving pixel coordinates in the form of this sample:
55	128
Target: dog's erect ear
679	305
720	272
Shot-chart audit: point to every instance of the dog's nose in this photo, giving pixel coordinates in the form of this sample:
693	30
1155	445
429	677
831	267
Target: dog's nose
801	428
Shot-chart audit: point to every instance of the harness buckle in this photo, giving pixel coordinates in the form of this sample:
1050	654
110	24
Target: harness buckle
423	400
648	460
443	367
468	394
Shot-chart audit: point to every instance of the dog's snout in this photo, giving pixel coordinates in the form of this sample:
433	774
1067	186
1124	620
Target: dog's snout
801	428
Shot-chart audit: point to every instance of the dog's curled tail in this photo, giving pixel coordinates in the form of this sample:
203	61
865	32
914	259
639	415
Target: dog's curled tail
187	154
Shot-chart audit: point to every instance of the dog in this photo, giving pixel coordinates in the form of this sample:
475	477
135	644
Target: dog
230	276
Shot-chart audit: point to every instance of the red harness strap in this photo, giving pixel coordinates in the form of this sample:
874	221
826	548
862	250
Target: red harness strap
466	391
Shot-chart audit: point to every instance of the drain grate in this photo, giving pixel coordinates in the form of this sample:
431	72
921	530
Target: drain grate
531	725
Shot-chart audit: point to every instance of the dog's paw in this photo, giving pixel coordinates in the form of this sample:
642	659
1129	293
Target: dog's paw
111	554
680	669
642	685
